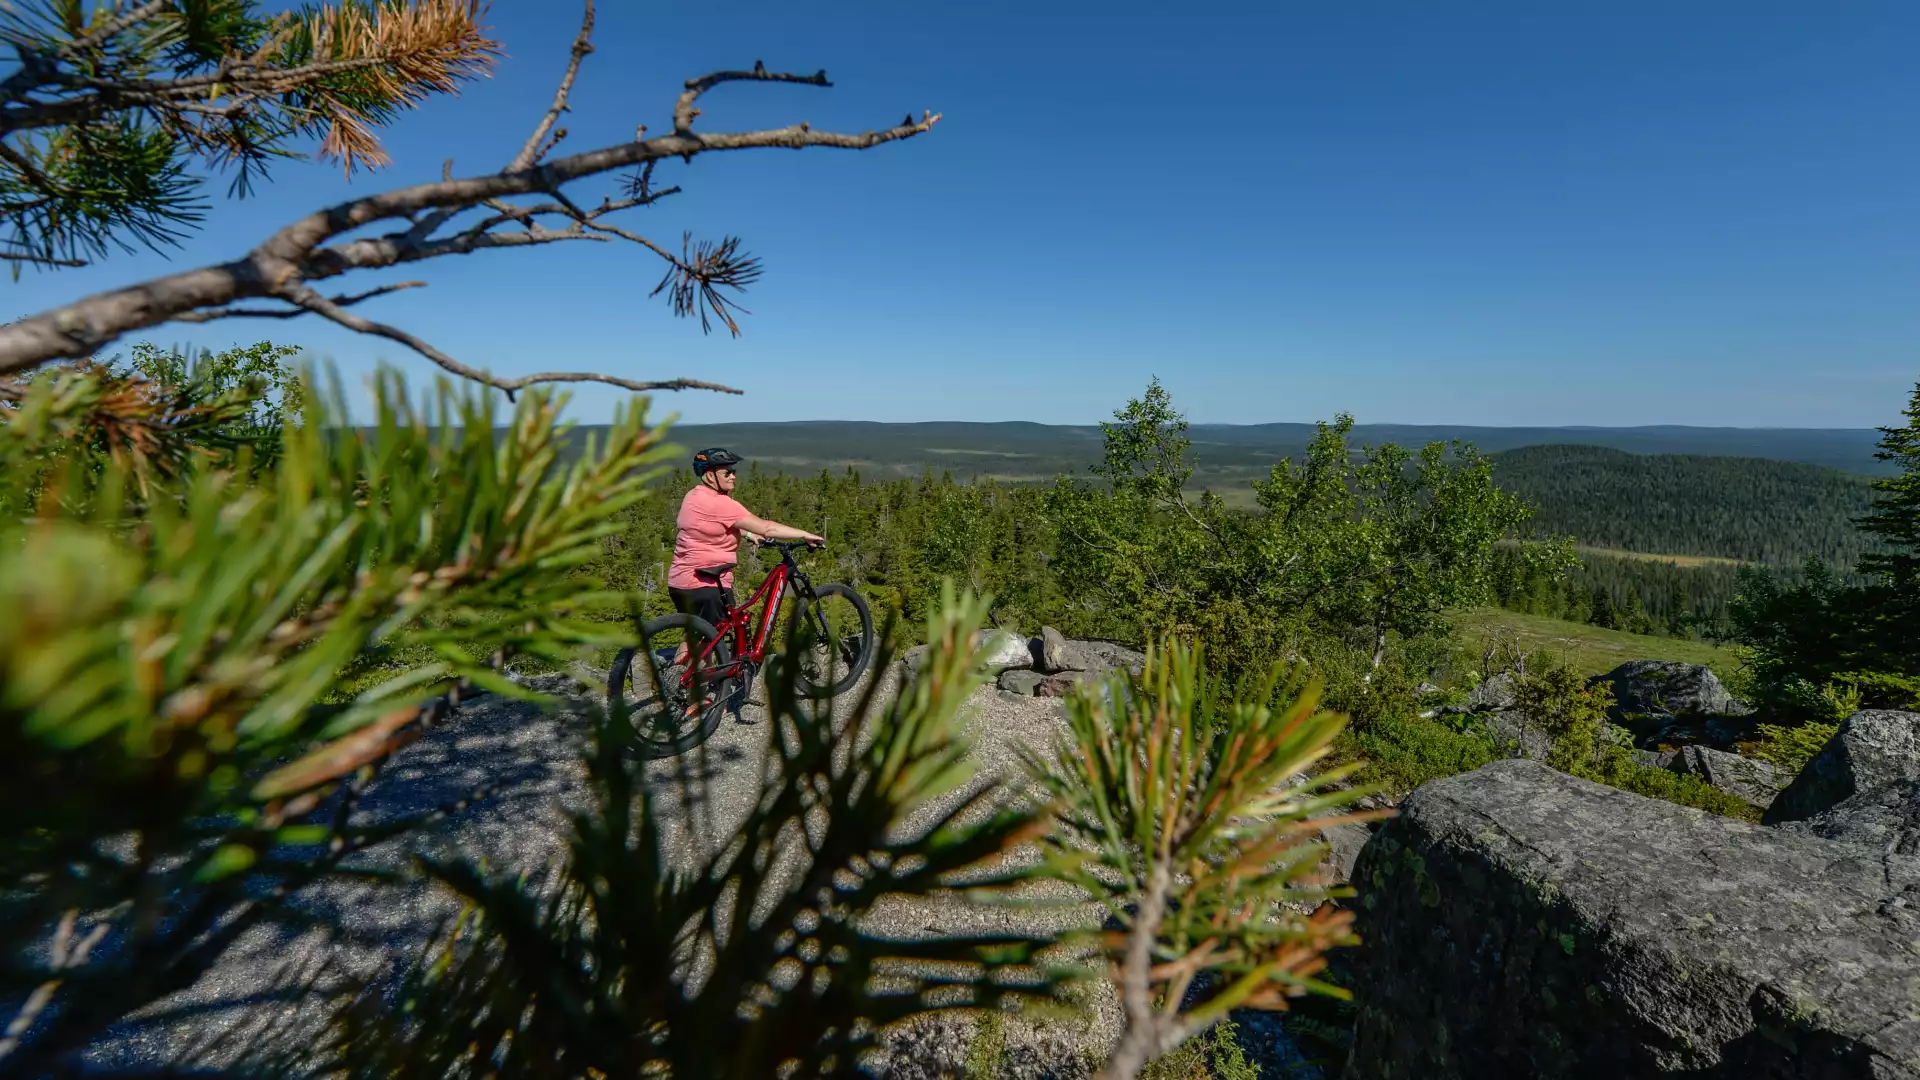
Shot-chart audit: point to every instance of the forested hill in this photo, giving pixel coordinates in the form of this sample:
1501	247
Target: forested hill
1688	504
1226	455
1846	449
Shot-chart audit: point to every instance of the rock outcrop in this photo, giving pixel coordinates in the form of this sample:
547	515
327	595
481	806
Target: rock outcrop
1521	736
1665	703
1052	652
1022	681
1755	782
1050	665
1873	749
1656	759
1520	922
1001	650
1094	656
1669	688
1492	694
1886	819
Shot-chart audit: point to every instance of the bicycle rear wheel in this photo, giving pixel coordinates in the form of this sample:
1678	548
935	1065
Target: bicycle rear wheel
833	640
669	710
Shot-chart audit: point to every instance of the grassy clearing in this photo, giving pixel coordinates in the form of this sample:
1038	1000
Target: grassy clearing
1677	560
1592	649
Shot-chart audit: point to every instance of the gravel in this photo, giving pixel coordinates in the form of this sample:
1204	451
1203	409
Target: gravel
530	760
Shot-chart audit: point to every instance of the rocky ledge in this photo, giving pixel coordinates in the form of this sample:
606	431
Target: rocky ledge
1520	922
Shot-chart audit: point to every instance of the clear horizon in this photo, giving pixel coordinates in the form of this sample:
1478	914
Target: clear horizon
1612	216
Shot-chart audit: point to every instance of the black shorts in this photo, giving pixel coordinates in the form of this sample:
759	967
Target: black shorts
709	603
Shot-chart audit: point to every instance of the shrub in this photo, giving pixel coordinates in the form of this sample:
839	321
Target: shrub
1215	1055
1616	767
1557	699
1791	746
1400	755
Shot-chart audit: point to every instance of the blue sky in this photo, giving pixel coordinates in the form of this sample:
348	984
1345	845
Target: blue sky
1619	213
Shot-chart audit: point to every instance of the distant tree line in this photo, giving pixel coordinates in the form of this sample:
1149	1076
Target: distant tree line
1619	592
1752	510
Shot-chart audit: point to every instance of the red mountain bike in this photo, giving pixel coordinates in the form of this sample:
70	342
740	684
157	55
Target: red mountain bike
674	706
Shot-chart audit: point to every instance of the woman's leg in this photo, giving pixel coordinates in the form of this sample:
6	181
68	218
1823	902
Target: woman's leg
710	604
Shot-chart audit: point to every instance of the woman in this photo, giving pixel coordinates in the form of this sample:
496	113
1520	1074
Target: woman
707	535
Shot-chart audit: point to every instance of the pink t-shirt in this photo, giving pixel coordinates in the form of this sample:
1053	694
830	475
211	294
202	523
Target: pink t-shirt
708	535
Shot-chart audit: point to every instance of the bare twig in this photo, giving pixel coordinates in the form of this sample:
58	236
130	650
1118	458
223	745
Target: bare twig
511	385
684	112
320	305
582	45
285	265
288	313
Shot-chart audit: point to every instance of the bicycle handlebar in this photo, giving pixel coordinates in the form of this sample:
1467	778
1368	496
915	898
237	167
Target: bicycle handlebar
791	546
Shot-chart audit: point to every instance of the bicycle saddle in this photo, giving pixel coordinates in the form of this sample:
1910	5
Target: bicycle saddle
712	573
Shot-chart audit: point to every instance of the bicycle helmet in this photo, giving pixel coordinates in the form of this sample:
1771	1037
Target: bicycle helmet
714	457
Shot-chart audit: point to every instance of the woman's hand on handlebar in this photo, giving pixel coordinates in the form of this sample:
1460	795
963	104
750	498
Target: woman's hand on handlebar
813	542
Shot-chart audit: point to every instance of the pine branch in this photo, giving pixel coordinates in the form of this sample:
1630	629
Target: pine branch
286	264
176	649
1184	807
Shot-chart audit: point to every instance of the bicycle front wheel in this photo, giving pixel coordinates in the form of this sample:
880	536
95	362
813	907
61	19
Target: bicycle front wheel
833	640
670	708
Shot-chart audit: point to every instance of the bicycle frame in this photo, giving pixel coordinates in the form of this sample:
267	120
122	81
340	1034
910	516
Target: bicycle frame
735	628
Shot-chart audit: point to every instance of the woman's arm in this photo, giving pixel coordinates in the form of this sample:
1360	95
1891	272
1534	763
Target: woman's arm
755	528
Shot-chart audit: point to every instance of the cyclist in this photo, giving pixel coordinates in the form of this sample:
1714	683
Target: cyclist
707	536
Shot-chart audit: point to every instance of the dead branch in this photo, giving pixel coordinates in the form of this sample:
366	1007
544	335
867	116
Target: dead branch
320	305
284	266
684	112
582	45
287	313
